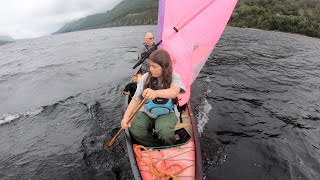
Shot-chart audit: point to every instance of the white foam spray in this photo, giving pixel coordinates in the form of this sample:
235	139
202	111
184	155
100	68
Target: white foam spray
203	116
8	117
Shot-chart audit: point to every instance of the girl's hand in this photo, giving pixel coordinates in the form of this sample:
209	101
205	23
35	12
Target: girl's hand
124	123
149	94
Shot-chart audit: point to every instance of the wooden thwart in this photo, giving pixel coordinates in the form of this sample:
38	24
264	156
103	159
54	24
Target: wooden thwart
182	125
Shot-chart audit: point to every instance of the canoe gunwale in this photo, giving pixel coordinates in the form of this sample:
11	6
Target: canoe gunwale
198	154
132	158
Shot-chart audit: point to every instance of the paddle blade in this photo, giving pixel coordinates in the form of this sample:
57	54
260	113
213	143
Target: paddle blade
110	143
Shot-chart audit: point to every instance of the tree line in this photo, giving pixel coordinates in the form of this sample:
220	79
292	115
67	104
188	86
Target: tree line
295	16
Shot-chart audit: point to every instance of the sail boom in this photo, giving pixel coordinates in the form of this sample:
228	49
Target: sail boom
192	15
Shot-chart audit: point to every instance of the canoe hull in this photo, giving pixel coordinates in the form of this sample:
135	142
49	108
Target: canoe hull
192	171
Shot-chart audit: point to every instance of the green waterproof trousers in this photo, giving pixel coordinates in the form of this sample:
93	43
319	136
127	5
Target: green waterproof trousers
151	132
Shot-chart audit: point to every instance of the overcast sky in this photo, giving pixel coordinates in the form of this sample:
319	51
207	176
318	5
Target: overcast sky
34	18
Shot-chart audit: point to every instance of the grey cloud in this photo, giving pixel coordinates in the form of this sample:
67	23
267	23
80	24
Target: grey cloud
36	18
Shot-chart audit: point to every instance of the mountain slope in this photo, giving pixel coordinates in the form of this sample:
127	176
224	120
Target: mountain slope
126	13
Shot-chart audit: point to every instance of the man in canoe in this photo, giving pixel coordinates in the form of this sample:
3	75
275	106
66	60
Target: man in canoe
148	43
154	124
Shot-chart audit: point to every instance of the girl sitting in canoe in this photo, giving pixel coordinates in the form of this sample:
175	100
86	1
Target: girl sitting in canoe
154	125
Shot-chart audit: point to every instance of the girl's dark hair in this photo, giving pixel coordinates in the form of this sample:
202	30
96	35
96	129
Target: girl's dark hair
162	58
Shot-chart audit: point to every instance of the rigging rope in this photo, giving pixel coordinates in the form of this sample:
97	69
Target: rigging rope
160	174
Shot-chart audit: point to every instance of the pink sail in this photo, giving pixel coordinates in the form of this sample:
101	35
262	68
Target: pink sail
189	30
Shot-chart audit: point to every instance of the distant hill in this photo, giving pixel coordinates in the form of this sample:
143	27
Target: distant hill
6	40
295	16
126	13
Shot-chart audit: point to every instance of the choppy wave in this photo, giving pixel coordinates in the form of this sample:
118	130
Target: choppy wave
9	117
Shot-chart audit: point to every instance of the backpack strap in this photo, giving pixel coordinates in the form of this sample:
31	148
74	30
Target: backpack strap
155	86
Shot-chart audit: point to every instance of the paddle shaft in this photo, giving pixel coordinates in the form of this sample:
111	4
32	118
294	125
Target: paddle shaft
110	143
136	111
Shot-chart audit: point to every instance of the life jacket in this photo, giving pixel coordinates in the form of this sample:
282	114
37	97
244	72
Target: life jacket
159	106
147	47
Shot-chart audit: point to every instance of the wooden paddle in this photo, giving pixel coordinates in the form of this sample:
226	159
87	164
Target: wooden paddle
110	143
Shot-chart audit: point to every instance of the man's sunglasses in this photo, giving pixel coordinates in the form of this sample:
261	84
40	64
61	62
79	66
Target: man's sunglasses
150	38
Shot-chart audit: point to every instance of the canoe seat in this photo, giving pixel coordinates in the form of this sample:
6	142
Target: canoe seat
185	116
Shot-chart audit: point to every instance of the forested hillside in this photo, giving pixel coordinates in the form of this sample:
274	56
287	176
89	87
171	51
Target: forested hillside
296	16
127	13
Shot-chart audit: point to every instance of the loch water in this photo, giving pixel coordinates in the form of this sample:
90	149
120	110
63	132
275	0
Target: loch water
256	101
